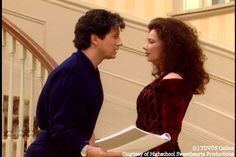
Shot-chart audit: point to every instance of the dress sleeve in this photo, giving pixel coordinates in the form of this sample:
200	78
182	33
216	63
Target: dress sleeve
174	101
66	112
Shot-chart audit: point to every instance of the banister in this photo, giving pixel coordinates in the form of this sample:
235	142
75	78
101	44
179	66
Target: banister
45	59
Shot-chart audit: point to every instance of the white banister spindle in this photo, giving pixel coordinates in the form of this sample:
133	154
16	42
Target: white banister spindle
20	141
3	51
40	74
32	65
45	76
9	142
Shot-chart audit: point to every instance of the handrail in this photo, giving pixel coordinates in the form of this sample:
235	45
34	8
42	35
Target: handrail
45	59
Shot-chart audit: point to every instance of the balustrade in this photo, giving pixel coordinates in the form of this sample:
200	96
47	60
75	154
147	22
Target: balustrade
25	67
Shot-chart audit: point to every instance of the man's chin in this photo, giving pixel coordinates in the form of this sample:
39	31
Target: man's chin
111	57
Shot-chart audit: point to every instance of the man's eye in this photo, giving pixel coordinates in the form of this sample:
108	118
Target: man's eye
116	36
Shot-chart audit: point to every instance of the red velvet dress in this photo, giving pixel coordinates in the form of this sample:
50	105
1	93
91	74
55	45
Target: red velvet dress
161	107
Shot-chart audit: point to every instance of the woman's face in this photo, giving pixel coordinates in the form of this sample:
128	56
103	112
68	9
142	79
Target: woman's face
153	48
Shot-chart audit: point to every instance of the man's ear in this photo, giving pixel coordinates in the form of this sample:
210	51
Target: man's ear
94	39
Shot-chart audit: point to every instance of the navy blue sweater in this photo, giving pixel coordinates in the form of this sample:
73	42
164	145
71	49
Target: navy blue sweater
69	104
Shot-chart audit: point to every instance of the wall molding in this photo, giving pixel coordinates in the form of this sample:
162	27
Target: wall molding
217	48
132	50
32	19
24	16
120	102
214	110
221	50
122	77
205	136
82	7
222	79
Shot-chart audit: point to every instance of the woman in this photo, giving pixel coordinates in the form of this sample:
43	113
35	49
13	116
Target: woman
172	47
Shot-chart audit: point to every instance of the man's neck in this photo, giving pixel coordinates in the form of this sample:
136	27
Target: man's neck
94	56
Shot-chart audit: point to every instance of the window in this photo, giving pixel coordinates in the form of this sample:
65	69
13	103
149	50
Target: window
187	5
217	1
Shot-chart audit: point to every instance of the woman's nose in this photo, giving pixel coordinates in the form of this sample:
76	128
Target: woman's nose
145	46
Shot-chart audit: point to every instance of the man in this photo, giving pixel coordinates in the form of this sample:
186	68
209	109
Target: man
71	99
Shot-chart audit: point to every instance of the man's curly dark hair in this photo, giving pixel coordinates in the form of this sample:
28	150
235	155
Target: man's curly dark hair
98	22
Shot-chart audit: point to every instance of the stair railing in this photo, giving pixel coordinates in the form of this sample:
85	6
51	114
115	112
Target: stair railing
23	61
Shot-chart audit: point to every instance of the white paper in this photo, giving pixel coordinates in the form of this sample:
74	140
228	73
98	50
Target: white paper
132	140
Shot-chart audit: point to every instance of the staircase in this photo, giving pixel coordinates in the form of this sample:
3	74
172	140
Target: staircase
25	67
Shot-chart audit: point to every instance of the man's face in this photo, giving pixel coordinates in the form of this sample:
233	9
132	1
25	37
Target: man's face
111	43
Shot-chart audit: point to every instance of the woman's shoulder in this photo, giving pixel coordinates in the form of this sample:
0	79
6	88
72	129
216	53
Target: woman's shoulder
174	83
172	75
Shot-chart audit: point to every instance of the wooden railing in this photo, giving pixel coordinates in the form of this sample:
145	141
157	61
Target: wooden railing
25	67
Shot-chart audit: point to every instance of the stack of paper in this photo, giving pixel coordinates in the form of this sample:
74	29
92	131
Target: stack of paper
132	139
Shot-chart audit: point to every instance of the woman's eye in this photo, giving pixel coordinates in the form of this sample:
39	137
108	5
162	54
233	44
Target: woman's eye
151	41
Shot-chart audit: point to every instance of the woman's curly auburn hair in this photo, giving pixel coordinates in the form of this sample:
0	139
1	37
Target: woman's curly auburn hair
182	53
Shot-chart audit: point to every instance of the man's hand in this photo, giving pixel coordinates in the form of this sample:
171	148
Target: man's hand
99	152
92	140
